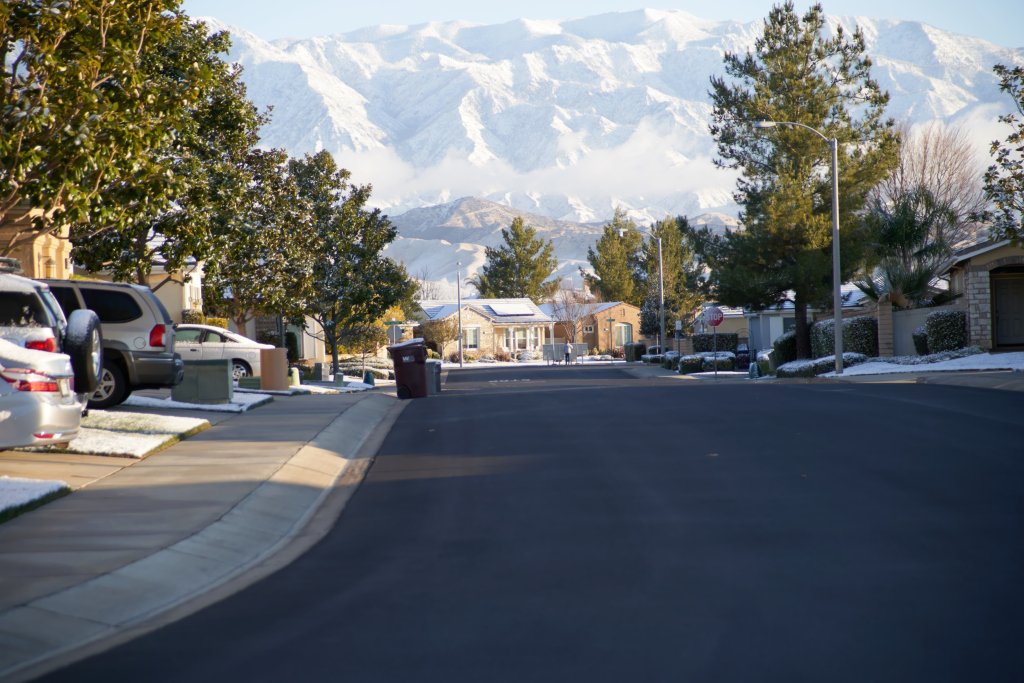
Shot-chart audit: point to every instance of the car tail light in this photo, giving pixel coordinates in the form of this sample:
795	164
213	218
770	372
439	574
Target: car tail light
49	345
27	380
156	335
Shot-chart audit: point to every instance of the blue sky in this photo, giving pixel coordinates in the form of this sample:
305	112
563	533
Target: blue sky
996	20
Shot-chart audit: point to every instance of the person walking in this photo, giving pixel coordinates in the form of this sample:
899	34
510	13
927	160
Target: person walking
568	352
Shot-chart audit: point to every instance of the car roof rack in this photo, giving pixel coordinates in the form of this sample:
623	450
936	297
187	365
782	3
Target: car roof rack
10	265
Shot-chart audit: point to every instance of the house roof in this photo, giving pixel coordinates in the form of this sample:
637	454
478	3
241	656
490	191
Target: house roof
595	308
499	311
970	252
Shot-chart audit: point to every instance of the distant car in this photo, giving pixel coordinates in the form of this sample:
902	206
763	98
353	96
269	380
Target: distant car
38	405
206	342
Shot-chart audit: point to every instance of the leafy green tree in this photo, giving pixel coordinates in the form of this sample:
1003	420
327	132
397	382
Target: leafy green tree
352	282
796	74
267	260
190	219
617	263
440	333
1004	180
520	267
906	254
79	107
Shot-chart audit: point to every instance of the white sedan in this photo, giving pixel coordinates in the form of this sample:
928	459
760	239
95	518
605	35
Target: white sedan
206	342
38	406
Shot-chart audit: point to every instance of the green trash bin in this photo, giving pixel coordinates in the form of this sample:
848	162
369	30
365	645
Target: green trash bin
410	361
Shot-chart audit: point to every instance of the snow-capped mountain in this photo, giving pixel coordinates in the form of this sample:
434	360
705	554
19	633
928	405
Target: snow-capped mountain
564	119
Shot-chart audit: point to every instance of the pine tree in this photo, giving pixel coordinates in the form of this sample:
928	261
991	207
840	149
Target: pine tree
616	260
796	74
520	267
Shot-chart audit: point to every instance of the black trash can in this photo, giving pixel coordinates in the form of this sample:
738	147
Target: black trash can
410	361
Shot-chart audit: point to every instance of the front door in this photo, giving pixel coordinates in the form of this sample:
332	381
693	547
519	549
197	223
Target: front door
1008	308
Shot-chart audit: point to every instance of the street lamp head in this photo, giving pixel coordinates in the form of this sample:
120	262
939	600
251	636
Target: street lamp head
764	124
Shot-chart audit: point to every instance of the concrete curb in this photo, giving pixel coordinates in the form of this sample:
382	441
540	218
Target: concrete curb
57	629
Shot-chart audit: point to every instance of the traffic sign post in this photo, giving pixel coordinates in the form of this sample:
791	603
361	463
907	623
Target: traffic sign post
714	317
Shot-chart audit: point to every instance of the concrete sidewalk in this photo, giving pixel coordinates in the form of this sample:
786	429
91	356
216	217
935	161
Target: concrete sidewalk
154	539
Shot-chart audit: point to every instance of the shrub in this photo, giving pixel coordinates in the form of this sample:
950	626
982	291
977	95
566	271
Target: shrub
818	366
502	356
217	322
947	330
860	335
453	357
726	341
784	349
920	337
723	360
690	364
191	316
618	352
431	353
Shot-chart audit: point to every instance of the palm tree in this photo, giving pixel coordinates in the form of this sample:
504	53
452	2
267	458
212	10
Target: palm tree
908	247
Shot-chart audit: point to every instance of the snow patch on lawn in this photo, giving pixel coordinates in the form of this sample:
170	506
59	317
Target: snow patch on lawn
15	491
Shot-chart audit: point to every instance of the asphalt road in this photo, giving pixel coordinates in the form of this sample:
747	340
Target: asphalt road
573	524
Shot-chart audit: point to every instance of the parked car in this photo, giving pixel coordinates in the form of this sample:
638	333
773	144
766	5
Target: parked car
206	342
654	354
138	337
31	318
38	405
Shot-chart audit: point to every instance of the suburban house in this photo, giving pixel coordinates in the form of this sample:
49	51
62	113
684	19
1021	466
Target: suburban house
492	325
47	256
601	325
990	275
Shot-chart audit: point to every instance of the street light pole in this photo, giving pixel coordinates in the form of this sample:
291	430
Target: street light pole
661	294
458	294
837	298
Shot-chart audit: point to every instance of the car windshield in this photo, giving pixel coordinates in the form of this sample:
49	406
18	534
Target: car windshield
18	309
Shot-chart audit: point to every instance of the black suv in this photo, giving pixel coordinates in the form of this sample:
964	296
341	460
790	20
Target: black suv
138	336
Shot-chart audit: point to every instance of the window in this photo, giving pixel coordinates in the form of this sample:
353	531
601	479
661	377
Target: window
187	336
66	298
471	337
112	307
588	329
215	338
623	334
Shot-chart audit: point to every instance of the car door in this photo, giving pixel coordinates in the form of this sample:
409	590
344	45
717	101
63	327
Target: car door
188	342
214	346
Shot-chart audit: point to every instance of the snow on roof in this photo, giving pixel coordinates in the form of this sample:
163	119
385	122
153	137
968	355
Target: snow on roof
500	311
595	308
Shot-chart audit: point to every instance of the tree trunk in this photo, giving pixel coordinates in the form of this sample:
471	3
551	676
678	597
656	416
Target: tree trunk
802	331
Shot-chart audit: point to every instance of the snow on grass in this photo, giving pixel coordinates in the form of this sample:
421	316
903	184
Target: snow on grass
17	493
978	361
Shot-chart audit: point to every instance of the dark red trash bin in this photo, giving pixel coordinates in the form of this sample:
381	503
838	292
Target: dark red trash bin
410	361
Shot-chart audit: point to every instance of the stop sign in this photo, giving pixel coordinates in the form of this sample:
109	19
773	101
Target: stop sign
714	316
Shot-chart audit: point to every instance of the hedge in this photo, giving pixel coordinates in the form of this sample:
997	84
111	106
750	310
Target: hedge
946	331
920	337
818	366
727	341
784	349
860	335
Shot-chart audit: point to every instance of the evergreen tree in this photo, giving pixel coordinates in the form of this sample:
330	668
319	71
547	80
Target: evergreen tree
680	274
186	212
520	267
80	108
796	74
352	283
1004	180
617	263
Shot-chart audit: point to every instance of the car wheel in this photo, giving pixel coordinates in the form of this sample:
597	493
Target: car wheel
240	369
83	343
112	390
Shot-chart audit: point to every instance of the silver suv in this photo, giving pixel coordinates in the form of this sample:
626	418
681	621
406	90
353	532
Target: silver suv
31	318
138	336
